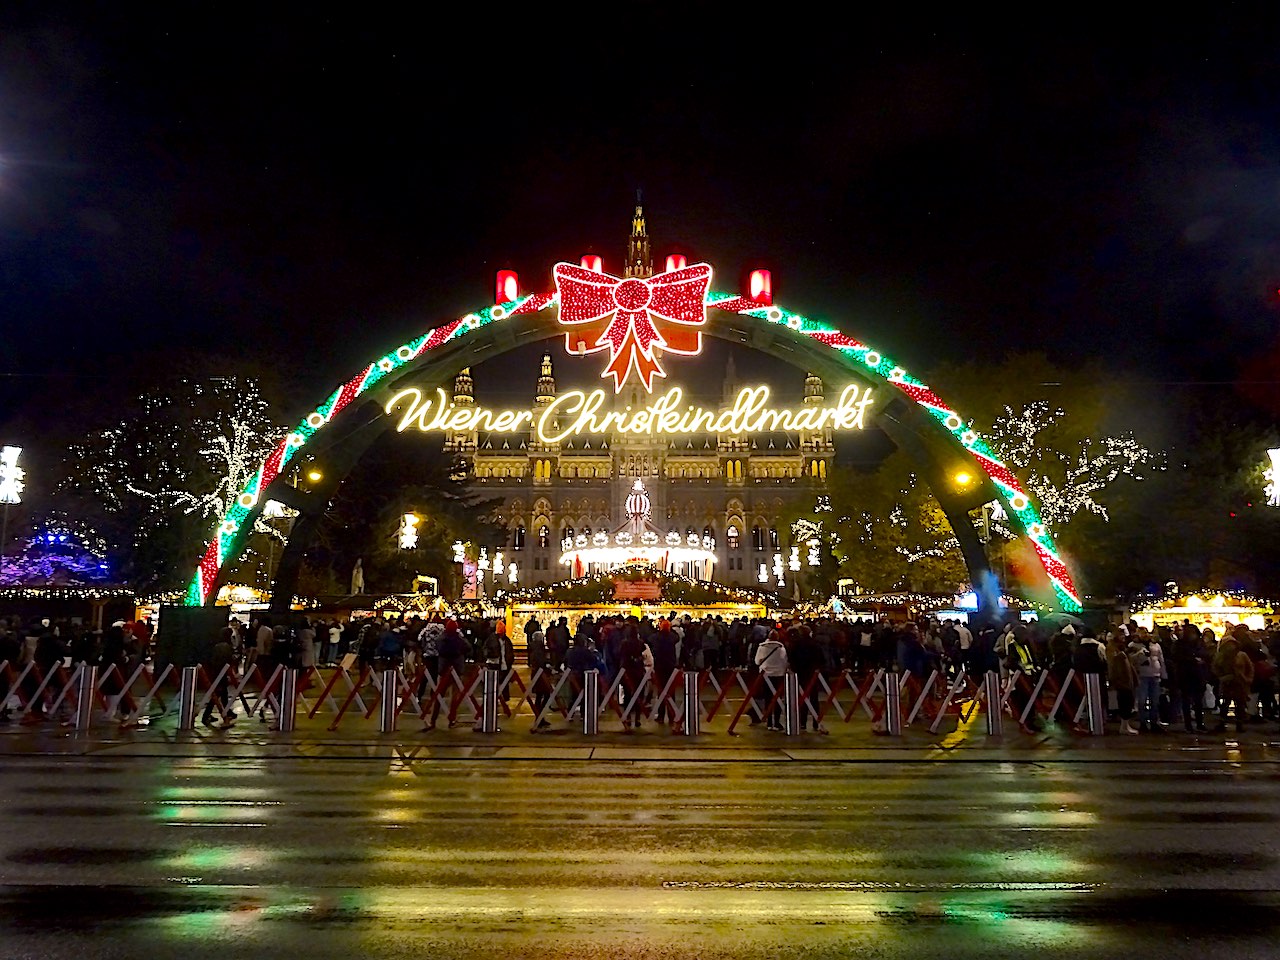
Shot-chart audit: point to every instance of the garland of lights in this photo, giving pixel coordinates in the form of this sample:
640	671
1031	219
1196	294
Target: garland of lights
1019	507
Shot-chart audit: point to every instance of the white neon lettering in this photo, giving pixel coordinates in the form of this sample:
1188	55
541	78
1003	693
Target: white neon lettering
578	412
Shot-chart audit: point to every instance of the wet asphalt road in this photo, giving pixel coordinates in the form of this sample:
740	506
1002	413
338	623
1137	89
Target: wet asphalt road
388	856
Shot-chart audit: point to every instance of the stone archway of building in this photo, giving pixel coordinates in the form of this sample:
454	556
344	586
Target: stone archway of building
920	423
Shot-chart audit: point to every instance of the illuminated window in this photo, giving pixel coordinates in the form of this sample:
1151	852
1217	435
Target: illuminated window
757	539
519	538
773	538
732	536
544	537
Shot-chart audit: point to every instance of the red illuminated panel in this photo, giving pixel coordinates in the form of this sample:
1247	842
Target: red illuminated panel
593	263
676	261
508	286
760	287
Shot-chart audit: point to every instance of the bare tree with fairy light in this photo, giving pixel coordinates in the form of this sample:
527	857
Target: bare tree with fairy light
154	482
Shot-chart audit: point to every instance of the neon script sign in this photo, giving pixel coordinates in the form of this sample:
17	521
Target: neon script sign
578	412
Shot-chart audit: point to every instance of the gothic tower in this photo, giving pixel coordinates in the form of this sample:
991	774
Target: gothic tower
639	258
543	398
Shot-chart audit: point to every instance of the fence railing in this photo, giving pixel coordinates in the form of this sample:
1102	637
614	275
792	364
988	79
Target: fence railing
690	702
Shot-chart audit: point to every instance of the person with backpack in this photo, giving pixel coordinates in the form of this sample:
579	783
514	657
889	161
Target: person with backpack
1023	671
1088	658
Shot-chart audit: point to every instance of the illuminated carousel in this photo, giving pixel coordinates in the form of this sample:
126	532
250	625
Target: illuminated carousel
638	543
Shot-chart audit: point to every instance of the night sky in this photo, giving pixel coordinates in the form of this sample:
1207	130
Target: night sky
317	189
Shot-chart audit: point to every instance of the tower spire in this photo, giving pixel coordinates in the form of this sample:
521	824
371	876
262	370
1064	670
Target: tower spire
639	259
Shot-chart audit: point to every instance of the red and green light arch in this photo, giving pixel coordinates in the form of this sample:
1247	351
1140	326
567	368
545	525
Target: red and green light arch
232	533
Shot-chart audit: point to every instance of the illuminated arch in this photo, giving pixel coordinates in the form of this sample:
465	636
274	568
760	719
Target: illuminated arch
770	328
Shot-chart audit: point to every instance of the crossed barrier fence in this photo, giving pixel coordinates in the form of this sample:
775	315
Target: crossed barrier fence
687	700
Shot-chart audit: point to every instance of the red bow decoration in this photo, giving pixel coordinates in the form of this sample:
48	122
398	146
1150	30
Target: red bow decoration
632	317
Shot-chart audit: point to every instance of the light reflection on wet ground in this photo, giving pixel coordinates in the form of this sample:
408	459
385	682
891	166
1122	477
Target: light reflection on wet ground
541	859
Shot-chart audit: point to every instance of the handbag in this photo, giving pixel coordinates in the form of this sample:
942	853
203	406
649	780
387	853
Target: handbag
1210	699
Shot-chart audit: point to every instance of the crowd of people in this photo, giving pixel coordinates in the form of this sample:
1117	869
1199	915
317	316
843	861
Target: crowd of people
51	645
1153	680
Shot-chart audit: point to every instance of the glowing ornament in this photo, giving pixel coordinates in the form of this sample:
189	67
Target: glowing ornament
458	551
12	476
634	317
793	562
763	575
407	535
1272	474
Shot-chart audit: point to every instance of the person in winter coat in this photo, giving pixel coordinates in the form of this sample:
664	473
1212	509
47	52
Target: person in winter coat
1147	657
806	660
771	661
1122	677
1190	663
453	649
1237	685
539	670
665	659
634	659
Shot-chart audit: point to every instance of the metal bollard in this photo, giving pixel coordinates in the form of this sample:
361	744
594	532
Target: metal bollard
591	703
893	704
692	725
487	722
791	704
387	703
287	715
84	695
187	698
995	709
1097	709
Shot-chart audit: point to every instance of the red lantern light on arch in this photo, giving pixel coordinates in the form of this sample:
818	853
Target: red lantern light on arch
760	287
507	287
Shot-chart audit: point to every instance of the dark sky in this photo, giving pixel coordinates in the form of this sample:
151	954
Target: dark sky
262	177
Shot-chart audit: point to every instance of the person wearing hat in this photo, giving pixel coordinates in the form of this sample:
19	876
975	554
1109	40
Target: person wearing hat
665	658
453	657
